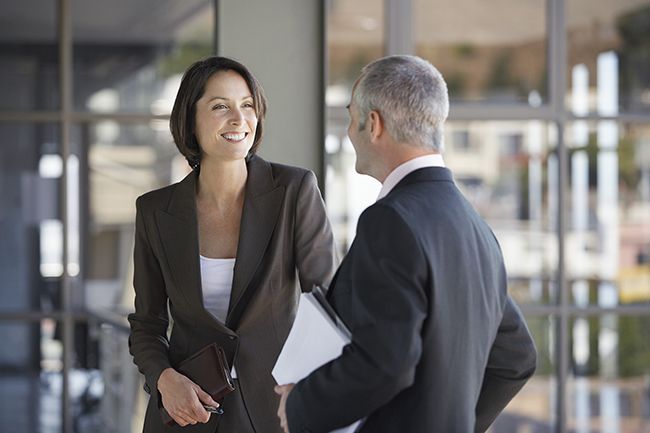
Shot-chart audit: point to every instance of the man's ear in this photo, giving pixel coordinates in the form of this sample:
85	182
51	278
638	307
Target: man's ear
376	125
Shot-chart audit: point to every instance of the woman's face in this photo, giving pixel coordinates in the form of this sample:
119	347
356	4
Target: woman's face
226	119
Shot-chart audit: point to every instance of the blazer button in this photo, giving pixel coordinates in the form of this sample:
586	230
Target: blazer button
232	337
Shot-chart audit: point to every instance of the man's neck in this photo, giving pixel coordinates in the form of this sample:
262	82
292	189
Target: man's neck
397	156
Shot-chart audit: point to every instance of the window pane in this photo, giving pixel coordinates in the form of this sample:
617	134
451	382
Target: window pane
30	221
123	403
608	241
127	58
355	36
487	51
509	172
124	161
532	409
608	391
29	56
30	377
609	65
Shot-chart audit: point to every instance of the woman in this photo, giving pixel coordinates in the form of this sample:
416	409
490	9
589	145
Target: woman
229	248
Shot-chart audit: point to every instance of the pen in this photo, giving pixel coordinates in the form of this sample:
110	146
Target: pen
213	409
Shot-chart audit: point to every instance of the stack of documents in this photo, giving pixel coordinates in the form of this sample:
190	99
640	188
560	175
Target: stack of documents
317	336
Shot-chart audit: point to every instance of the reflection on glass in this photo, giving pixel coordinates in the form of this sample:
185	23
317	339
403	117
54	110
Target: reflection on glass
30	385
131	59
125	161
532	409
355	37
494	52
608	241
508	171
29	56
618	30
610	387
30	220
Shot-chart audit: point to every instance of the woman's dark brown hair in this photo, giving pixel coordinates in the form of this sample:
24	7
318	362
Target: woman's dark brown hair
183	118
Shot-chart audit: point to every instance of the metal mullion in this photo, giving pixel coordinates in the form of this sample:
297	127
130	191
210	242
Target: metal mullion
29	116
572	310
494	112
557	90
65	72
36	316
621	118
398	25
80	117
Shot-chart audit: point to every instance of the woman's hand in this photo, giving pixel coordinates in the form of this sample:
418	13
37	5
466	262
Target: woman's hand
184	399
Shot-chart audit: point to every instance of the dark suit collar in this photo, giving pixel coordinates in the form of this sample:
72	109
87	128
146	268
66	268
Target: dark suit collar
425	174
178	229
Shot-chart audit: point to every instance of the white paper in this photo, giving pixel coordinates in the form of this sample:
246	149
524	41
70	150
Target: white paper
314	340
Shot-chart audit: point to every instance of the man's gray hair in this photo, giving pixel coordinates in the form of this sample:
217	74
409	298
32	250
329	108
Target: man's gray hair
410	95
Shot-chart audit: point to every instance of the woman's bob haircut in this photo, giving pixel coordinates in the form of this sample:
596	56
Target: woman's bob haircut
183	118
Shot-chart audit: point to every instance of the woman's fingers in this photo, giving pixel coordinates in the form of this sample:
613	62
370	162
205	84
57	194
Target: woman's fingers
182	418
205	398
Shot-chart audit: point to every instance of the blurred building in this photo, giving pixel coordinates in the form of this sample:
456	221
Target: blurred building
548	137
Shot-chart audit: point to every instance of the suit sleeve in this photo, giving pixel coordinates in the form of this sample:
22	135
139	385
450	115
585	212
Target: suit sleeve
383	286
315	250
512	361
148	338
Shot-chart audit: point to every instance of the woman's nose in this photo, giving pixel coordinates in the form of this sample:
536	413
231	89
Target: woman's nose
237	116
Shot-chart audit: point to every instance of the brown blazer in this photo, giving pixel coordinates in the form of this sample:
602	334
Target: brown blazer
285	245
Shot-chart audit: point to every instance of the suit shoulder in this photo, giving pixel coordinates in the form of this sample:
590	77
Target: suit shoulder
157	198
289	174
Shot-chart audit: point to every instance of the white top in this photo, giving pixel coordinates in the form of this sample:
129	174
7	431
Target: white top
216	281
401	171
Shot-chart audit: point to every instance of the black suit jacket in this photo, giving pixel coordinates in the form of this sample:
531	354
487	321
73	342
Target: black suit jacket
285	244
437	344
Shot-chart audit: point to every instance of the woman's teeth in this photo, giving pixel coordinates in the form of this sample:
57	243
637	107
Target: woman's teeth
234	137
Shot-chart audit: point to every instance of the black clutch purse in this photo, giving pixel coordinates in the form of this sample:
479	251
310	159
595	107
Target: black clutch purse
209	369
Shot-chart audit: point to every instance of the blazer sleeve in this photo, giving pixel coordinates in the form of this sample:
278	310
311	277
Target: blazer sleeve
314	246
383	286
148	338
512	361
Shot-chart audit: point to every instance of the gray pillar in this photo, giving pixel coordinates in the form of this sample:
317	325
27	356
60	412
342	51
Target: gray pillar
282	42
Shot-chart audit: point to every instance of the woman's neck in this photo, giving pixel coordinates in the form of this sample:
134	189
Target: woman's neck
222	183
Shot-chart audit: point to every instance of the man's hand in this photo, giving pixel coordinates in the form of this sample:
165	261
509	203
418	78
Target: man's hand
283	391
184	399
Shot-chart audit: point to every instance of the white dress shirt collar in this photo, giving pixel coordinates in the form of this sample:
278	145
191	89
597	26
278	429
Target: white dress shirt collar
401	171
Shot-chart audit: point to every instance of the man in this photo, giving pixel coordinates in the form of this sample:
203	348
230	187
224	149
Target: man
437	344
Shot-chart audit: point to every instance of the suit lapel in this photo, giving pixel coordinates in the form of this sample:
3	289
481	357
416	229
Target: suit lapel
178	230
260	214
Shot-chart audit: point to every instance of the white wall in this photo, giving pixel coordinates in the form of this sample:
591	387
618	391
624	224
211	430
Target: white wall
281	42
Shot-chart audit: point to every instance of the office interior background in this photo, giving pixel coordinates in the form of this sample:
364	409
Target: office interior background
548	137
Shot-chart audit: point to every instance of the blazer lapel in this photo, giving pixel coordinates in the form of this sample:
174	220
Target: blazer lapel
178	230
260	214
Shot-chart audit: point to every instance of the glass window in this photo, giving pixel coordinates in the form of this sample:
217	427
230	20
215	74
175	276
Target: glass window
355	37
609	389
30	377
608	61
532	409
487	51
124	161
30	222
508	171
131	58
29	56
608	236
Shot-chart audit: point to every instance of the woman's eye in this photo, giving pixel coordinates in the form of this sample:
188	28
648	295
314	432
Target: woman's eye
249	105
219	107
